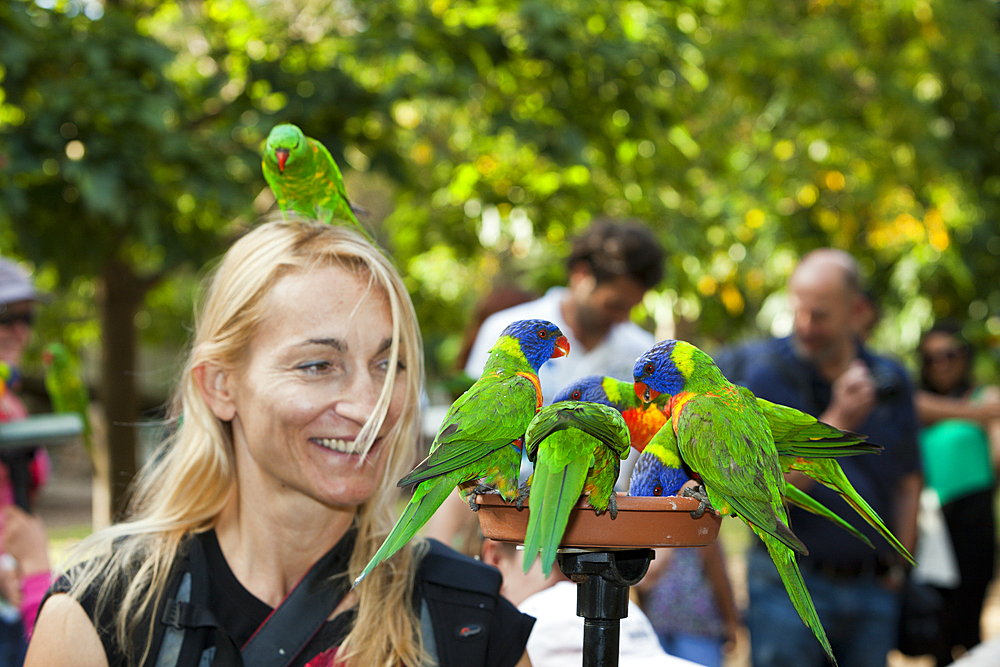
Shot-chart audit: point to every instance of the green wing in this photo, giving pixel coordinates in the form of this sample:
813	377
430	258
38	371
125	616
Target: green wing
829	473
331	200
800	498
729	446
577	447
491	415
564	461
796	433
65	385
602	422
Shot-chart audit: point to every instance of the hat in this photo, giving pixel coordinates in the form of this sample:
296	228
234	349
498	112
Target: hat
16	285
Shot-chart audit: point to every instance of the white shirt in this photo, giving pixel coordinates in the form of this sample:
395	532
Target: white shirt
556	640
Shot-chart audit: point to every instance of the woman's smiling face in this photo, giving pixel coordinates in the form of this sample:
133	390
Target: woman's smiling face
313	373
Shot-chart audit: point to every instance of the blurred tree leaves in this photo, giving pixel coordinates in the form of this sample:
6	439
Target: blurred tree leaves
482	135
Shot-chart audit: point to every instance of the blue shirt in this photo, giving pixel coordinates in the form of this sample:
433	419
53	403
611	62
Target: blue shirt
775	373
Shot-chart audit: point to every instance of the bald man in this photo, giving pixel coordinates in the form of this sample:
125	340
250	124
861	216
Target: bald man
824	369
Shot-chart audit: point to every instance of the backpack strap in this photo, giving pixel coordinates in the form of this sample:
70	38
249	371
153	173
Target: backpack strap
455	597
297	619
188	623
186	616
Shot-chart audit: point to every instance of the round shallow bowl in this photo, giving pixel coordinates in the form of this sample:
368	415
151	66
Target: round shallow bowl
641	522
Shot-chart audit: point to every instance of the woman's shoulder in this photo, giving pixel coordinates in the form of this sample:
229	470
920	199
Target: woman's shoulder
64	634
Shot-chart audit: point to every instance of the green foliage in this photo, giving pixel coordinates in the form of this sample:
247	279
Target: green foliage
745	133
103	157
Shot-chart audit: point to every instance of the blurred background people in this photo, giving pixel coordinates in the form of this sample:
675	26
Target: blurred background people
824	368
688	598
610	268
22	473
960	450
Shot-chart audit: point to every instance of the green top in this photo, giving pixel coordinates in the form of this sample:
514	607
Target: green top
956	458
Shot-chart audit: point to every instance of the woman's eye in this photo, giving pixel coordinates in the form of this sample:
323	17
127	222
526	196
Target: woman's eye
315	367
383	366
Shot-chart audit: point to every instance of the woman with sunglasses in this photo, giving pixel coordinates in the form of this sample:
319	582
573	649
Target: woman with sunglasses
960	448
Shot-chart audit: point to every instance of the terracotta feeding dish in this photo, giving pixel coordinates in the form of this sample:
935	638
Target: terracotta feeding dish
641	522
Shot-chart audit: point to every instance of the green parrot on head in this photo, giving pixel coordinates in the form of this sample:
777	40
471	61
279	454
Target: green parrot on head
478	446
577	448
65	386
305	179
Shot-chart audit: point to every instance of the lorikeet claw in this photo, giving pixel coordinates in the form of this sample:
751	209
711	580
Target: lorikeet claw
698	493
523	492
613	505
479	490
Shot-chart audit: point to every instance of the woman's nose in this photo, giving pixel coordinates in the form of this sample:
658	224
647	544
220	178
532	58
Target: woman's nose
360	397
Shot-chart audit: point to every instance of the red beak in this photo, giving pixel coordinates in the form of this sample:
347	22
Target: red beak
562	347
281	155
645	394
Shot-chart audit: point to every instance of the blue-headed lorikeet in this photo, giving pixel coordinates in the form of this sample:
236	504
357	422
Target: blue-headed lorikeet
482	436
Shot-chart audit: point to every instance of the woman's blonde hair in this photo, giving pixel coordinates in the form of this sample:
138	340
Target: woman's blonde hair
186	485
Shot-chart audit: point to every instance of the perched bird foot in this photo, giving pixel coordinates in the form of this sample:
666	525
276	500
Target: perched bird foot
480	489
523	492
698	493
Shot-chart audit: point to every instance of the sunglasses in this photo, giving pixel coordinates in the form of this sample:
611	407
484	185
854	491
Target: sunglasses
944	355
10	319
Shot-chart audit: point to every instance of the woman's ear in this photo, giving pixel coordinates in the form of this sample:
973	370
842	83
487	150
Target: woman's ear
213	383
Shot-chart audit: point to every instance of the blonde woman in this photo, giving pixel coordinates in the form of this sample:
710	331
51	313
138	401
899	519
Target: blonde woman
297	412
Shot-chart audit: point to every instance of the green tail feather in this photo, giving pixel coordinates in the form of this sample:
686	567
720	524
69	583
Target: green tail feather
869	515
833	477
553	495
788	570
802	499
426	499
827	448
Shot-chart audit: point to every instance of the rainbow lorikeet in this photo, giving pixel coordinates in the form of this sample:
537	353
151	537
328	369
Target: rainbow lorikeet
305	178
577	448
480	441
644	420
659	471
723	437
65	386
799	438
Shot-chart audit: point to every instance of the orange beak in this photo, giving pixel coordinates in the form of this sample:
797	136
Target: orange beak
645	394
281	155
562	347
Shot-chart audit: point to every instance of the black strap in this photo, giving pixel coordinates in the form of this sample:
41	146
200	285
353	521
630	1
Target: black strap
456	598
283	635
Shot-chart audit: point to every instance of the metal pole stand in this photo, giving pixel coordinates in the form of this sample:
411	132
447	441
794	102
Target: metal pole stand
603	579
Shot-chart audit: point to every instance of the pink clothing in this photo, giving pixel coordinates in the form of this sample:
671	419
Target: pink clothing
33	589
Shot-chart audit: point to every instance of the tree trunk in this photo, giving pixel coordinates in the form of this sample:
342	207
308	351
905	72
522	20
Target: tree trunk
122	295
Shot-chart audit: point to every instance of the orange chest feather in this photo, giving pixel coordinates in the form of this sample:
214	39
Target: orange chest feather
538	388
643	423
534	380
